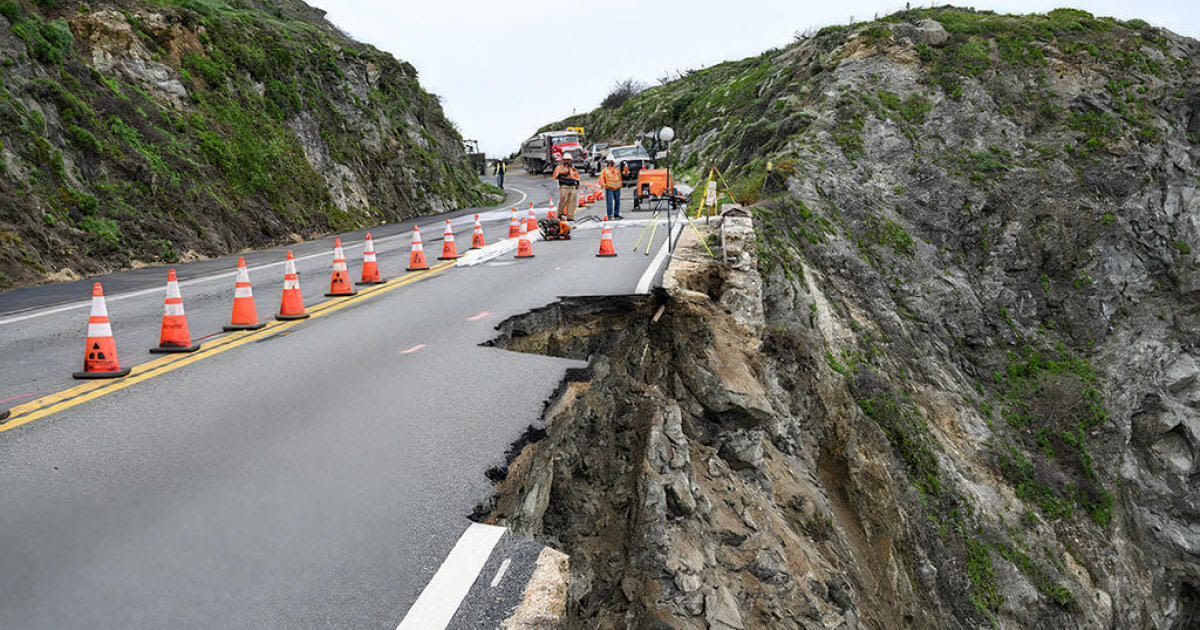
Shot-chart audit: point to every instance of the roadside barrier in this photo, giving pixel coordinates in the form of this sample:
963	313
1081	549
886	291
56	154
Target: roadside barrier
175	336
477	241
291	304
449	249
606	243
531	221
339	280
370	266
245	315
416	258
100	349
514	227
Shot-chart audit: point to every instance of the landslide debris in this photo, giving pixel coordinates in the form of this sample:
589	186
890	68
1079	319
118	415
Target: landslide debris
141	131
971	400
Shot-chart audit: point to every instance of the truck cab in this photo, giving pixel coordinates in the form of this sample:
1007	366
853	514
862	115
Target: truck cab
544	150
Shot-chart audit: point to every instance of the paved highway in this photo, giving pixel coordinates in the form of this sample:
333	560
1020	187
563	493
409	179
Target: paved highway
312	474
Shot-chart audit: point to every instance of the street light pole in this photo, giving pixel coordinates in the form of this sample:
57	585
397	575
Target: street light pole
666	134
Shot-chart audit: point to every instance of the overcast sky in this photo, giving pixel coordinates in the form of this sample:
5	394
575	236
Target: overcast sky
493	62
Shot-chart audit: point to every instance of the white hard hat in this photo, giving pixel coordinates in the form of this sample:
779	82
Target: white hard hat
566	156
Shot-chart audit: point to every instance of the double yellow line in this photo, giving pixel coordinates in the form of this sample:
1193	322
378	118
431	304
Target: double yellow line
91	390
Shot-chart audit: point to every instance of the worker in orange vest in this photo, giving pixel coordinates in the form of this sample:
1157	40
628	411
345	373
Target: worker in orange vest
568	187
610	181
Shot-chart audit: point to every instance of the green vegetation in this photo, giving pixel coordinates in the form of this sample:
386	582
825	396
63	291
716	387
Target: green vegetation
1051	399
223	167
912	109
1036	574
879	231
984	167
909	436
46	41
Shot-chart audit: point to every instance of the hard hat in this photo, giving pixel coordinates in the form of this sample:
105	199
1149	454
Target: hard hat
566	156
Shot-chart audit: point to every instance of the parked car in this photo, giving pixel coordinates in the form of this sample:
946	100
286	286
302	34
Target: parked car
630	160
595	159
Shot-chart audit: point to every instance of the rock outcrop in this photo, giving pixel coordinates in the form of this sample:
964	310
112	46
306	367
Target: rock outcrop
971	400
137	131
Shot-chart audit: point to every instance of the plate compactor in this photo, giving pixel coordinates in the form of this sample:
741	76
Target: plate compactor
555	229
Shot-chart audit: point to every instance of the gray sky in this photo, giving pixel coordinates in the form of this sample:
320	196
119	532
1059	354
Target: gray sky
490	61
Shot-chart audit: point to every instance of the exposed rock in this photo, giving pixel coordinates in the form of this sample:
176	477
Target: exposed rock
972	398
929	32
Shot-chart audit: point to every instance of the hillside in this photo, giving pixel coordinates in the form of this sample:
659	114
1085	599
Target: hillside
971	400
142	131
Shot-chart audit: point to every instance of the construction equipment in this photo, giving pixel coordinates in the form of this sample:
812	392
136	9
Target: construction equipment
656	187
554	229
544	150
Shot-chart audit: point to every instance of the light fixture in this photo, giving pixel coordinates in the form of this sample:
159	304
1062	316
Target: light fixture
667	134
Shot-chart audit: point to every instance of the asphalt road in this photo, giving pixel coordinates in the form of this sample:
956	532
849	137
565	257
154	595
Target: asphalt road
314	477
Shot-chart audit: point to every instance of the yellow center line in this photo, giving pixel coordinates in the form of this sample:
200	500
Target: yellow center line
68	398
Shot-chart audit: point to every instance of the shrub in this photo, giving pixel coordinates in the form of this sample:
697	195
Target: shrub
10	10
83	138
105	230
621	92
46	41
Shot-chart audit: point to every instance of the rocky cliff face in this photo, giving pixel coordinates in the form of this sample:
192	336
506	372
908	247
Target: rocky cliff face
972	398
138	130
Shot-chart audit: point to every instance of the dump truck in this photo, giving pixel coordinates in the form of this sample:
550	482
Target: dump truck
544	150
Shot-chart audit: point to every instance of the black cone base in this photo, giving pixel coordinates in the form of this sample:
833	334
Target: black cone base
233	327
91	375
341	294
288	318
174	349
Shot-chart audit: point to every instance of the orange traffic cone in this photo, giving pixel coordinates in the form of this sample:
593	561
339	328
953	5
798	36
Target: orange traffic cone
370	269
524	247
416	259
449	250
245	316
100	350
582	201
175	336
531	221
339	281
477	235
291	305
606	243
514	225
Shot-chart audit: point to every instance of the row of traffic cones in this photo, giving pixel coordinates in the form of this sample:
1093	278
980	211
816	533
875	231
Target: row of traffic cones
100	350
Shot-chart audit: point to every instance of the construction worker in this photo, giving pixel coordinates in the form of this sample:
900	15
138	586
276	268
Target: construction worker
568	187
610	181
499	170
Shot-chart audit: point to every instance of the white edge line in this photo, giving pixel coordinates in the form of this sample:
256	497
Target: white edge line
491	215
643	285
500	572
436	605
